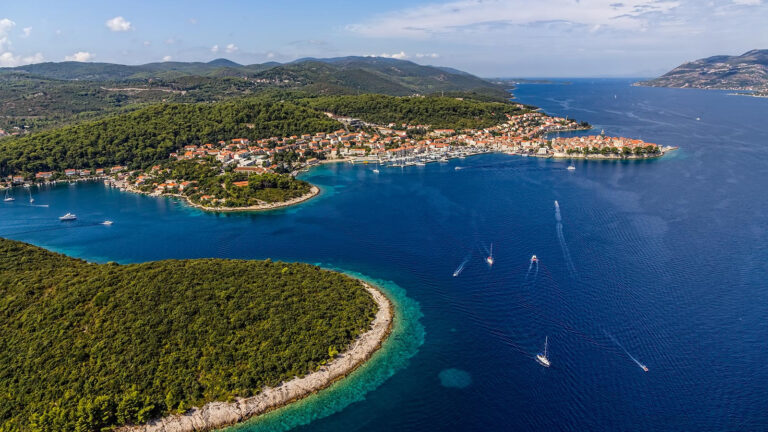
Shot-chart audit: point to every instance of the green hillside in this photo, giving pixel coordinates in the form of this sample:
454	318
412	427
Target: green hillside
438	112
86	346
47	95
148	135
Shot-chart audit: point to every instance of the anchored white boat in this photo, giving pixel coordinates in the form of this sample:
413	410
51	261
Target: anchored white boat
107	222
8	198
68	217
571	168
542	357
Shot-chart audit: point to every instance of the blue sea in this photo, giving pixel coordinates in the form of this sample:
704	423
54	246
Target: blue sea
662	263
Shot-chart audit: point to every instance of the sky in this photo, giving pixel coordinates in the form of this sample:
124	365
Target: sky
489	38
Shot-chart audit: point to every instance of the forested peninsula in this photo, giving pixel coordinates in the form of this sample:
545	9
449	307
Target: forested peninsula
88	347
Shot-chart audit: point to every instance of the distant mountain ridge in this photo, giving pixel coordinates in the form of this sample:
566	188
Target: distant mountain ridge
748	71
365	74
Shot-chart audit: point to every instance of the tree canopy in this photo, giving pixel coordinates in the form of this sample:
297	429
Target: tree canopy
143	137
86	346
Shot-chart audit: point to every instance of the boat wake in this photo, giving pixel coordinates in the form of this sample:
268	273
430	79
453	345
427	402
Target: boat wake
461	266
533	264
642	366
561	240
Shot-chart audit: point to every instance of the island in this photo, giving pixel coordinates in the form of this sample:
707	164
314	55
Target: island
746	72
183	345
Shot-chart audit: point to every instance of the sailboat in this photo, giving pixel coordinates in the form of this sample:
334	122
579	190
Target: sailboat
542	357
8	198
489	260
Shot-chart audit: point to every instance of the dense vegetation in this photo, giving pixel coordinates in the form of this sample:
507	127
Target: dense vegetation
85	346
225	189
33	103
438	112
143	137
46	95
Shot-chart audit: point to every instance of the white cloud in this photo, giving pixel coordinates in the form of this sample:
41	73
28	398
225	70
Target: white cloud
231	48
119	24
5	27
147	43
428	55
170	41
215	49
482	15
270	55
80	56
26	31
401	55
748	2
7	59
193	21
167	58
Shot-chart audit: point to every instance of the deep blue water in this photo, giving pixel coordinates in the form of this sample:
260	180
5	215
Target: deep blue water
668	257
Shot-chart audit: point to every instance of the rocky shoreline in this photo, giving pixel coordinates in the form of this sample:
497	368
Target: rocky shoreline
217	415
313	192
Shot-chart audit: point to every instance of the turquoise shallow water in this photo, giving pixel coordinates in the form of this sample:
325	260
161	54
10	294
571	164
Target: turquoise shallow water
668	257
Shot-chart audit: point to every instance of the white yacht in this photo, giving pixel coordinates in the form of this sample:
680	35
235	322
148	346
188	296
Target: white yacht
571	168
68	217
542	357
107	222
8	198
489	260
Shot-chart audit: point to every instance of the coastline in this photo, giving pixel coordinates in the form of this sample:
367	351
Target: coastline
216	415
313	192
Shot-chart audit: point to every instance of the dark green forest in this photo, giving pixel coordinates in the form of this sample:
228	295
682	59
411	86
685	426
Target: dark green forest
438	112
86	346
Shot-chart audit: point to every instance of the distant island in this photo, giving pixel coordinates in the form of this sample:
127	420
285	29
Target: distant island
746	72
182	345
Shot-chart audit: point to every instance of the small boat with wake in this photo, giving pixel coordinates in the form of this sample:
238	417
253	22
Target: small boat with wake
68	217
542	357
489	260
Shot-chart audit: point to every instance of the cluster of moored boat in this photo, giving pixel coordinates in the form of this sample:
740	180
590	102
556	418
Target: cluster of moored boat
71	217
